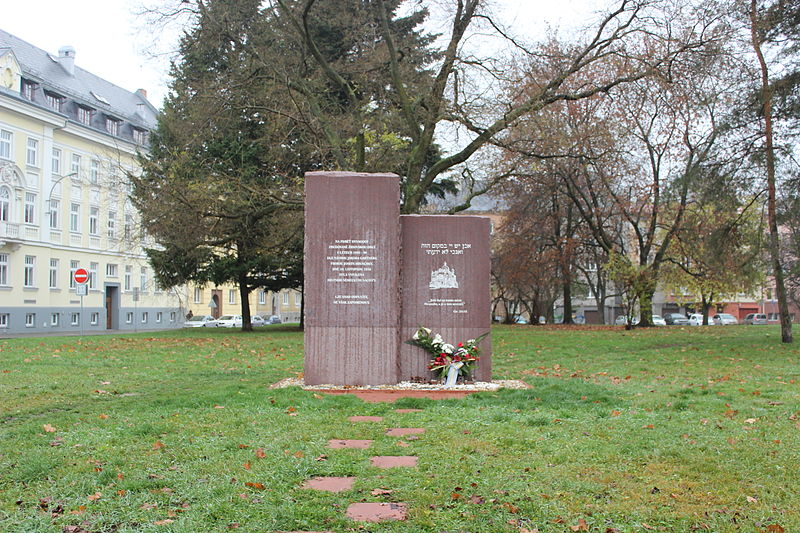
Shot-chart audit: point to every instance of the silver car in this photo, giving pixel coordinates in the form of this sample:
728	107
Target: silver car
724	319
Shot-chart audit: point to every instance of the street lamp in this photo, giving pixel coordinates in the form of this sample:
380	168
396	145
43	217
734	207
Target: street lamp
50	195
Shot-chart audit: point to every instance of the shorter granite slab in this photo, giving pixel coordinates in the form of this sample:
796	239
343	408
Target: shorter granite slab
329	484
377	512
394	461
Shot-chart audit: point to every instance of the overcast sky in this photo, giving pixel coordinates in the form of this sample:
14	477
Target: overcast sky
112	42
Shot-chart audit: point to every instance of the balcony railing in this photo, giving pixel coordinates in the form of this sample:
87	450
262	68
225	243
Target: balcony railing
9	230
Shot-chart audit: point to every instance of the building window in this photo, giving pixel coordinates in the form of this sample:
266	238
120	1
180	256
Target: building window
139	136
29	271
53	100
93	275
126	285
54	208
198	295
172	316
126	229
145	316
74	217
297	298
30	320
232	296
3	269
94	318
32	153
262	297
54	319
94	215
75	319
5	144
85	115
143	279
128	317
3	320
112	126
73	266
285	298
53	273
112	224
75	167
55	159
94	171
111	270
5	204
28	89
30	208
159	317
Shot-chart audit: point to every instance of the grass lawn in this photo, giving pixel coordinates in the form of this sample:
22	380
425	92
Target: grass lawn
670	429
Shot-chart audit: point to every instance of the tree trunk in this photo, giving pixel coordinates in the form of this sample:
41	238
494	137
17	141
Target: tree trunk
302	307
244	296
567	290
646	308
774	241
706	306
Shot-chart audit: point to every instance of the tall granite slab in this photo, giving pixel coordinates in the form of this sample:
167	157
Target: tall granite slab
352	264
445	286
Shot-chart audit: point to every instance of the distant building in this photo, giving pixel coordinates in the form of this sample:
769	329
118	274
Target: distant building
68	139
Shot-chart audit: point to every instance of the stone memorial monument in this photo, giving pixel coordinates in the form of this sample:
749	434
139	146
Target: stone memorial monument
373	277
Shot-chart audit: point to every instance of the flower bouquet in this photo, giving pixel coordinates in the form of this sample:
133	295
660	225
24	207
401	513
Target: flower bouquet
451	362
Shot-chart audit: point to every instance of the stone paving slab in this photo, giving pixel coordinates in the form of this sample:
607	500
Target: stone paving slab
366	419
329	484
399	432
376	512
357	444
394	461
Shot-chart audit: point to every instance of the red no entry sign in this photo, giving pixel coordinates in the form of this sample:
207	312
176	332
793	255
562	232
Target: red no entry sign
80	276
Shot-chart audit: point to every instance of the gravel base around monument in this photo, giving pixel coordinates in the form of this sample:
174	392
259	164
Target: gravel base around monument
408	385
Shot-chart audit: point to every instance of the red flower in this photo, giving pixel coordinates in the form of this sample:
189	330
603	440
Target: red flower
460	344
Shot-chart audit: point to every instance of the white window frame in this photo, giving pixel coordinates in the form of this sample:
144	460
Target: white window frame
231	296
55	206
297	299
126	283
3	270
159	317
93	268
30	320
112	224
75	166
129	317
198	295
55	161
285	297
94	318
29	213
4	320
85	115
94	220
75	217
6	144
112	270
94	171
32	152
29	272
143	279
53	280
54	318
73	266
75	319
262	297
5	204
145	317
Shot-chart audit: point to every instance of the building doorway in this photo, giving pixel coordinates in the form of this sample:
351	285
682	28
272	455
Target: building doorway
112	307
216	303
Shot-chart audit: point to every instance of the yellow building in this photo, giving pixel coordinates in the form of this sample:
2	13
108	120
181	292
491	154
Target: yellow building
68	139
225	300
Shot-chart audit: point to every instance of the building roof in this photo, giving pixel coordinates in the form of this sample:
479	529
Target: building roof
81	86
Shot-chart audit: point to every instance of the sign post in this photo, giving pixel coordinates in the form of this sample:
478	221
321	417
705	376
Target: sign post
81	278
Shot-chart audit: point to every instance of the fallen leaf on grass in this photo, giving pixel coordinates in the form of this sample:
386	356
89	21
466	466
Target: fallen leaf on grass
775	528
751	499
219	407
95	496
163	522
258	486
381	492
103	417
246	466
79	510
648	426
751	420
260	453
157	445
582	526
48	428
322	457
647	526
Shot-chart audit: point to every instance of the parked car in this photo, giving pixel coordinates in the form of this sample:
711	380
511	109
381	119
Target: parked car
756	319
623	320
696	319
198	321
256	321
724	319
271	319
658	320
676	319
227	321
